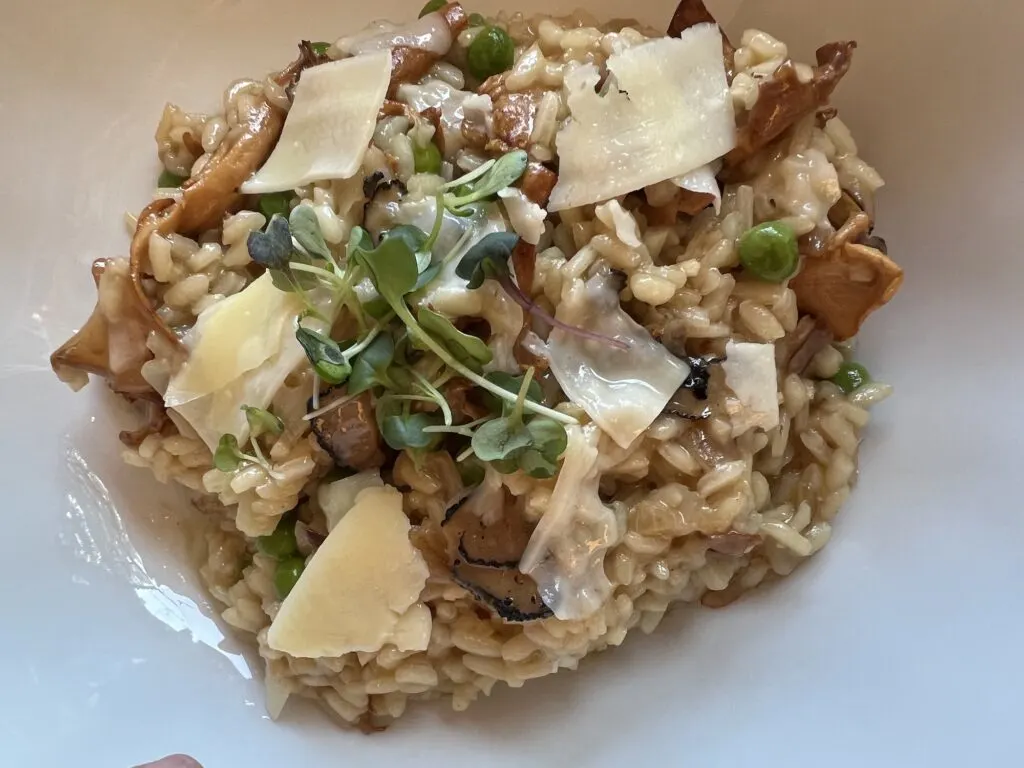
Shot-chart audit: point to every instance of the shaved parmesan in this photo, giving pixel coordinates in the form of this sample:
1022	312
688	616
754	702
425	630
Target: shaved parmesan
361	588
240	352
329	126
623	391
750	373
337	498
702	181
525	216
569	566
666	112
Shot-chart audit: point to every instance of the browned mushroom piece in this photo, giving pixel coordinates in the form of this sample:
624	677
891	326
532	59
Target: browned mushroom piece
784	99
842	288
409	64
511	593
487	535
691	203
156	419
690	13
459	393
204	201
112	343
513	118
349	432
537	183
796	351
524	265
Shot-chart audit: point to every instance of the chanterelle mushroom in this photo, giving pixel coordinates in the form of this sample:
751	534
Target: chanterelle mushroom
845	286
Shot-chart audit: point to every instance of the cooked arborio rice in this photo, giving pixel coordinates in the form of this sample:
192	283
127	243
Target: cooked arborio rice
696	426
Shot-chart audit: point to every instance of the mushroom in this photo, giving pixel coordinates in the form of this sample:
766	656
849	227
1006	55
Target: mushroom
410	64
797	350
537	183
784	99
112	343
205	198
842	288
486	538
349	432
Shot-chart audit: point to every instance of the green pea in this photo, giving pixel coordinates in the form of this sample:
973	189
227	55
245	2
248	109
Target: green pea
167	180
281	543
320	49
427	159
769	251
276	202
431	6
490	53
851	377
287	574
477	20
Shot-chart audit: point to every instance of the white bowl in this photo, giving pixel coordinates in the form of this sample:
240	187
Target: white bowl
898	645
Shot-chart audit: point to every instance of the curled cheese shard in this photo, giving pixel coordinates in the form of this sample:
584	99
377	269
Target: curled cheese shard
750	373
329	126
361	588
845	286
623	391
666	112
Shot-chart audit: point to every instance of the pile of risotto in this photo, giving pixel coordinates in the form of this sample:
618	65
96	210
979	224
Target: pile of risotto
481	341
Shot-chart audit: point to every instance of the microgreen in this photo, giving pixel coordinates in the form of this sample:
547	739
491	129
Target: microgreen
305	228
262	421
392	269
324	354
370	368
273	248
471	351
228	456
482	184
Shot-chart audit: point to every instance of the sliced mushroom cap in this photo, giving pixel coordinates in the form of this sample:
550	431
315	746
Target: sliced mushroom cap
508	592
784	99
409	64
844	287
349	432
478	536
487	535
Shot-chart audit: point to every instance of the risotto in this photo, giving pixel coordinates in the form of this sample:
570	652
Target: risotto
483	341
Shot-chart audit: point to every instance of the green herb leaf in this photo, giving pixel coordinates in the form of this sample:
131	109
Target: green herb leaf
427	277
358	240
513	384
275	204
536	464
468	350
227	457
324	355
273	248
472	472
305	228
392	267
400	431
168	180
498	439
370	368
431	6
262	421
413	237
488	259
505	171
548	436
320	48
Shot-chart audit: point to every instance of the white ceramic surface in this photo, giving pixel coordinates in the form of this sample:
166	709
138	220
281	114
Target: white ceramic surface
900	645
